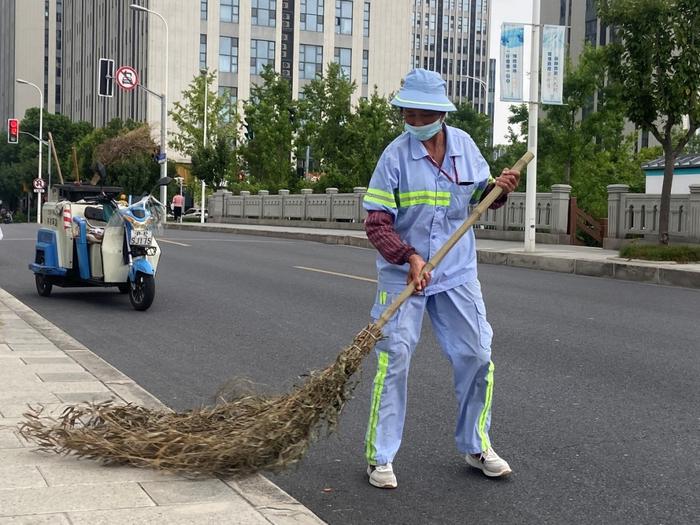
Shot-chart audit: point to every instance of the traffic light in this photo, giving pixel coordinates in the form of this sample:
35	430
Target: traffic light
106	78
12	131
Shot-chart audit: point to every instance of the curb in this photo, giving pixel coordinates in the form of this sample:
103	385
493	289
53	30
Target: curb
274	504
619	269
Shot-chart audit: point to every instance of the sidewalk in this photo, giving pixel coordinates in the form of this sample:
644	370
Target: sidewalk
39	363
580	260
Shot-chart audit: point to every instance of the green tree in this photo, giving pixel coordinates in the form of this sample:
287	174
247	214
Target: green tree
370	129
19	162
188	115
326	111
656	59
476	124
270	120
215	163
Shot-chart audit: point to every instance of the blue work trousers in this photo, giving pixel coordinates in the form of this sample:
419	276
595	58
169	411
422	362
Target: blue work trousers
459	320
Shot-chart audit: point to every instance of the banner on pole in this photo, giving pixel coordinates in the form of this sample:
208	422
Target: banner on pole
553	42
512	39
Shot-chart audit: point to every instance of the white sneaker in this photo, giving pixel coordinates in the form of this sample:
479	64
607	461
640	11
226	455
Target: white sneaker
382	476
489	463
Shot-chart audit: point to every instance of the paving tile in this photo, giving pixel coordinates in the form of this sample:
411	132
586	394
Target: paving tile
88	397
18	410
260	491
174	492
73	471
20	477
97	366
65	377
19	502
21	339
48	360
43	519
31	396
216	513
77	386
133	393
56	368
55	353
9	439
34	346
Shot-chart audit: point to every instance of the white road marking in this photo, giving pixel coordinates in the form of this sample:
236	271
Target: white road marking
357	277
160	239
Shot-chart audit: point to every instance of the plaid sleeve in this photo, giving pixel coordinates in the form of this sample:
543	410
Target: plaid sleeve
380	230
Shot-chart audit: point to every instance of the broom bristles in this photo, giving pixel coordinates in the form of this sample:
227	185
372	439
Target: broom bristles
237	436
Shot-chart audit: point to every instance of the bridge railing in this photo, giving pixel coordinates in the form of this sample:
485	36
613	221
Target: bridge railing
333	209
637	215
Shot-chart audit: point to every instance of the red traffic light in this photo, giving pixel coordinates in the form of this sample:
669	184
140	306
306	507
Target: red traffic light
12	131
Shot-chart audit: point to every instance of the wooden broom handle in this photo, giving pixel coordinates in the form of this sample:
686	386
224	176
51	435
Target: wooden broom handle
456	236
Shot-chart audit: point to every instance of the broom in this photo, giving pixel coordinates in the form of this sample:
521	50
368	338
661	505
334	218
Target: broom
236	436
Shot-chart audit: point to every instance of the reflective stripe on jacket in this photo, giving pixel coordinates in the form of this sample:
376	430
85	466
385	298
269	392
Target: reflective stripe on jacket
429	204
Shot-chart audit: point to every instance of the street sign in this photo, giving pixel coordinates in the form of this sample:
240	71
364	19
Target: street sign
127	78
160	158
39	190
38	184
106	77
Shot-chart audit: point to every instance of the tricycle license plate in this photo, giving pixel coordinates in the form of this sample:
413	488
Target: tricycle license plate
141	238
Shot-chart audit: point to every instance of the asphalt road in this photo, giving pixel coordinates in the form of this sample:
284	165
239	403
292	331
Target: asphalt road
596	404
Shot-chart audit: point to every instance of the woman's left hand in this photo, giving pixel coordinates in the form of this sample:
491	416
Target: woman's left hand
508	180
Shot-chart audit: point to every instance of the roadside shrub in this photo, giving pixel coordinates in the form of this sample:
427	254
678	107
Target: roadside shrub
653	252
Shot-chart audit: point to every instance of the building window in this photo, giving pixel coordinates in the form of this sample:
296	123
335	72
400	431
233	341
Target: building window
365	66
262	53
311	17
229	11
263	12
310	61
365	20
230	96
343	17
202	51
203	8
343	56
228	54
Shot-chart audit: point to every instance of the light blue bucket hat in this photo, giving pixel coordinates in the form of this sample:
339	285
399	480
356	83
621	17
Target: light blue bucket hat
423	89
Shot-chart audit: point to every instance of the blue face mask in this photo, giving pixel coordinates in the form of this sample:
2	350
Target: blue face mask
426	132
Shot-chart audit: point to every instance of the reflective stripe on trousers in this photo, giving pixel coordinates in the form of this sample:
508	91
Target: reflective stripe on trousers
459	320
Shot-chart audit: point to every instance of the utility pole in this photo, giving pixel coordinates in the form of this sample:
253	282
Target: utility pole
533	112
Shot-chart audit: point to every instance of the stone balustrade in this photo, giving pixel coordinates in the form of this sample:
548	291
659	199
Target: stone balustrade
634	215
334	209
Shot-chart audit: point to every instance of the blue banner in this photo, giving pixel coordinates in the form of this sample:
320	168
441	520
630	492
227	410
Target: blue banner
553	42
512	45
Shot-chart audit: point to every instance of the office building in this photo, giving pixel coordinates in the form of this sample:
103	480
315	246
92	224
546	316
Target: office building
586	28
452	38
30	49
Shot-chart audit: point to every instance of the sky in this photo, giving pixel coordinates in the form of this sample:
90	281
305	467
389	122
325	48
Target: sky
506	11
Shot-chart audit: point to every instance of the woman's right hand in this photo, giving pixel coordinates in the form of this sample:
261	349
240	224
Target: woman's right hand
416	263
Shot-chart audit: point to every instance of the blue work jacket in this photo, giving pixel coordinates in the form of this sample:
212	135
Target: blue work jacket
428	204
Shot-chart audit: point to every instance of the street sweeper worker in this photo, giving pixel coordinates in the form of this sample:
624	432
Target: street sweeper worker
418	196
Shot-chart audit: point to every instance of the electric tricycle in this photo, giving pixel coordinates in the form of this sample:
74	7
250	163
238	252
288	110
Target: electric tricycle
99	241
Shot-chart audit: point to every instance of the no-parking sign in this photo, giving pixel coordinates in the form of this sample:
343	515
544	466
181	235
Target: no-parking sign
127	78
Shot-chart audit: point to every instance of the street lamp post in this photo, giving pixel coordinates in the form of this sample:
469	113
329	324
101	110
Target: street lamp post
204	142
163	109
41	133
486	91
533	111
